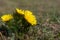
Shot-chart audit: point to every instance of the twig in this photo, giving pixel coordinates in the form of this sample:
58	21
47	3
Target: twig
1	36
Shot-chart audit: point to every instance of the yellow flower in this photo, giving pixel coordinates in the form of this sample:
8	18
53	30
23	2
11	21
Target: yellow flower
30	18
6	17
20	11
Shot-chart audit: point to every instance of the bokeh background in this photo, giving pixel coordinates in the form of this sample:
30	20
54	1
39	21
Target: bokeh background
47	13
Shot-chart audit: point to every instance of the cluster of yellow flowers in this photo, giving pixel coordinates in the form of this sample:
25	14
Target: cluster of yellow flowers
29	17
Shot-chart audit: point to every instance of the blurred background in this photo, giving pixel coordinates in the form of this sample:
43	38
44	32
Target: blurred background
47	13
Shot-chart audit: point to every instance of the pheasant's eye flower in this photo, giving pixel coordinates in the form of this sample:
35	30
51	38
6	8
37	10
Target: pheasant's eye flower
6	17
20	11
30	18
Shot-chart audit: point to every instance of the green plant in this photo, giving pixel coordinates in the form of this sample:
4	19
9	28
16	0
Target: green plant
18	22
